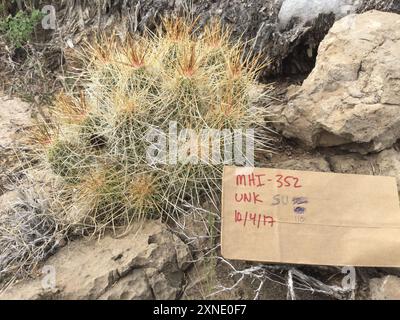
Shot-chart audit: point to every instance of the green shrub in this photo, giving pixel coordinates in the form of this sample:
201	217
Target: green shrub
18	29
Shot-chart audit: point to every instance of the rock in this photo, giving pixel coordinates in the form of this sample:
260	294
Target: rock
388	164
148	263
387	288
134	286
255	19
291	48
15	116
382	5
308	10
306	164
352	164
183	255
352	97
385	163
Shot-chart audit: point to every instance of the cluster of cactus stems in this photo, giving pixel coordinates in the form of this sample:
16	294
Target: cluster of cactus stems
198	79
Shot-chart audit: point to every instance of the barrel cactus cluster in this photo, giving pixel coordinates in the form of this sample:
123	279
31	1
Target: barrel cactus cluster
138	96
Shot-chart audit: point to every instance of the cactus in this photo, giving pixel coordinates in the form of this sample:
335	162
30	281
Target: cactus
197	79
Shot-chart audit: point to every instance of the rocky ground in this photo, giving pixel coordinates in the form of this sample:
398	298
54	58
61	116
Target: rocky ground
342	118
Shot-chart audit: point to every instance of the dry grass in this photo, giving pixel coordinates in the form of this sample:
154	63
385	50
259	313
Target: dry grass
29	232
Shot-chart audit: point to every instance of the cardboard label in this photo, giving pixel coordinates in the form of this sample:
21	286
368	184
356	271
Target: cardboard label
286	216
